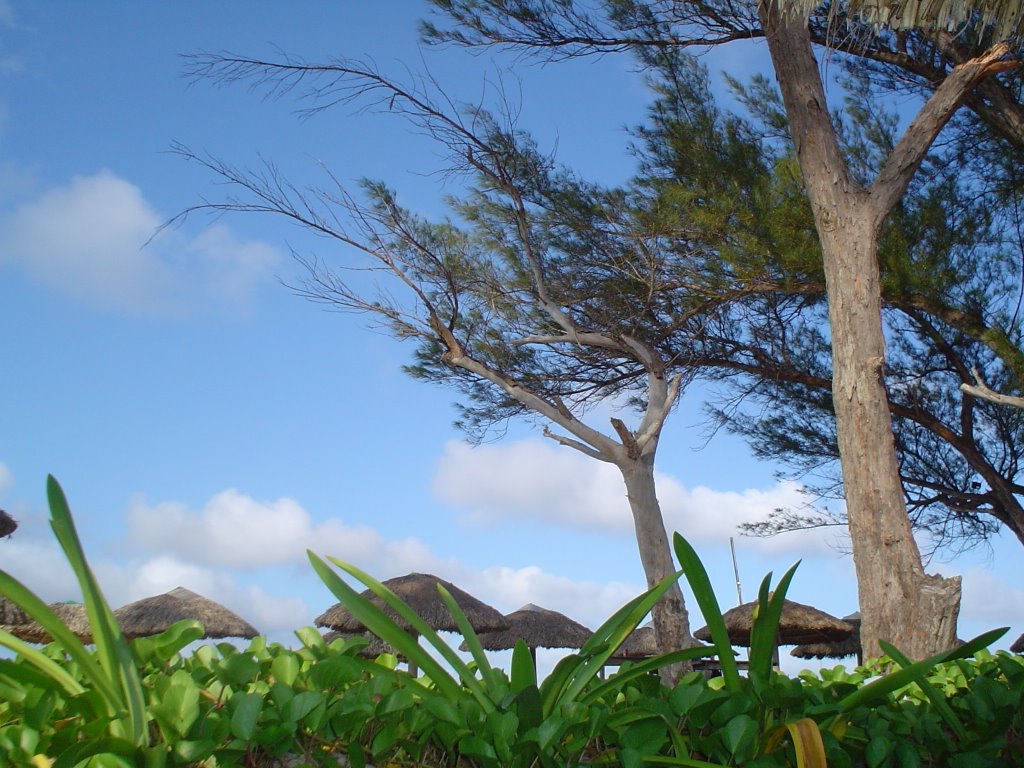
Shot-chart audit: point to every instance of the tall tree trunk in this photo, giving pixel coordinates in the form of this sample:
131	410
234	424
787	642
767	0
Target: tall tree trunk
671	620
898	601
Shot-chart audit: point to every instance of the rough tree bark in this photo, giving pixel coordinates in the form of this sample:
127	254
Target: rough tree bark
898	601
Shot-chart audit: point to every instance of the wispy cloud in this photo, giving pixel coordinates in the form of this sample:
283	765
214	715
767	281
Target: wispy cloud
93	239
495	484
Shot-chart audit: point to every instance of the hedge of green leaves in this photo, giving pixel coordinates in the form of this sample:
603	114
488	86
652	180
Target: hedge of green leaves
146	703
224	706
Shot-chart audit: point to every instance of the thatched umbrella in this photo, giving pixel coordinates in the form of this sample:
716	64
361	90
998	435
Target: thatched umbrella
639	644
538	628
153	615
10	613
798	624
8	524
72	614
837	649
419	591
1018	645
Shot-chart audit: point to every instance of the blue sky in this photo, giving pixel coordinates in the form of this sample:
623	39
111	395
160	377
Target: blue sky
208	425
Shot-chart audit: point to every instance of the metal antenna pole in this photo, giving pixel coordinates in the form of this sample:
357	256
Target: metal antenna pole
736	570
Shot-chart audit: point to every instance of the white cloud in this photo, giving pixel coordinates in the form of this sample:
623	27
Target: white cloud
538	480
236	531
990	600
93	239
587	602
6	479
531	479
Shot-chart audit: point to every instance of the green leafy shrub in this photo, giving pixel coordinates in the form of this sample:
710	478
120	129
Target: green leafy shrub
144	703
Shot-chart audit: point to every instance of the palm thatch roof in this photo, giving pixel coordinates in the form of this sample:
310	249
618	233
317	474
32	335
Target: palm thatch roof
538	628
799	624
419	590
639	644
72	614
837	649
1018	645
8	524
10	613
153	615
1006	17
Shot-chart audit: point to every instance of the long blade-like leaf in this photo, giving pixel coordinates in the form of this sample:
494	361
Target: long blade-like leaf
111	646
42	662
628	620
703	592
380	624
39	611
895	680
934	695
641	668
764	633
487	672
400	607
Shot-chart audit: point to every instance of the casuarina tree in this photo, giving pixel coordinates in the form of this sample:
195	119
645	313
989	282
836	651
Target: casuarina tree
541	296
898	600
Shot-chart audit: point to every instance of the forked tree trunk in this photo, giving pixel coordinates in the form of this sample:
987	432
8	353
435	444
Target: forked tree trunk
898	601
671	620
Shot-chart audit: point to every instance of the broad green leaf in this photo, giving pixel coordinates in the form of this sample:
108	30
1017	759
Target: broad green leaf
285	668
239	669
245	715
302	704
739	734
310	637
524	671
157	649
177	707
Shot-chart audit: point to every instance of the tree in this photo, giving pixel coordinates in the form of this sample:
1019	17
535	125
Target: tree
949	271
541	297
898	600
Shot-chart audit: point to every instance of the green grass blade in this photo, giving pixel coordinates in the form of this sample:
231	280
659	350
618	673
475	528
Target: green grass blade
686	762
934	695
380	624
399	606
699	582
891	682
42	662
36	609
626	620
764	633
641	668
487	672
112	648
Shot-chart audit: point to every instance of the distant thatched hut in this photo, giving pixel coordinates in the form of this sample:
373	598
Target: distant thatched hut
153	615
